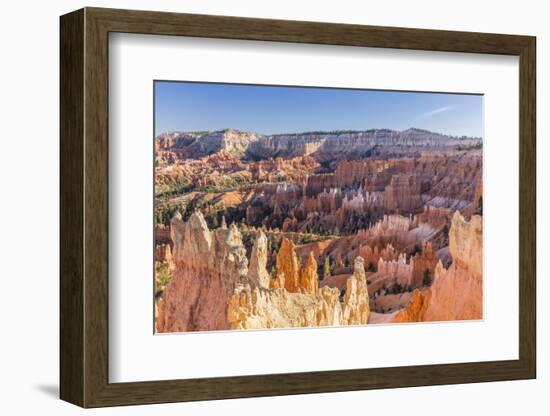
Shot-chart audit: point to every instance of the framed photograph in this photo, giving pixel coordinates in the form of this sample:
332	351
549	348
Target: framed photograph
257	207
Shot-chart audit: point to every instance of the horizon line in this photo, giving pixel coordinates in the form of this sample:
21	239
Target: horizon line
336	131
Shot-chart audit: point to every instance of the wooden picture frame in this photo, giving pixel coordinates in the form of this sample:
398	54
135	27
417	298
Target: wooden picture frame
84	207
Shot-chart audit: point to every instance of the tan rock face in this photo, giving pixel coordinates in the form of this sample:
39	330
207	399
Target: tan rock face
290	274
396	270
356	300
208	265
288	265
415	273
445	305
255	308
372	256
163	254
466	242
257	273
278	282
309	281
456	292
416	310
277	308
423	265
403	193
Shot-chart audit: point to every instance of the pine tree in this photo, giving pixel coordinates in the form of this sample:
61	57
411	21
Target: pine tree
214	221
326	271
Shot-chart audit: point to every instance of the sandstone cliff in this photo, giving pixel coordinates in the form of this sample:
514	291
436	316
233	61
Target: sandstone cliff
197	144
212	287
208	265
256	308
277	308
456	292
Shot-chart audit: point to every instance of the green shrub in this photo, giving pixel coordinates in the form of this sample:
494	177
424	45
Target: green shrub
162	277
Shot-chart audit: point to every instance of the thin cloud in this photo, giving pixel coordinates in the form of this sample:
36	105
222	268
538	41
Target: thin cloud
438	111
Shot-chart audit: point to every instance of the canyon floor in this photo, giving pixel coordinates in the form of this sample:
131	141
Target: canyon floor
316	229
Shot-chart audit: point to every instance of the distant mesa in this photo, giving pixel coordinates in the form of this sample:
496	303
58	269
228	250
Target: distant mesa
256	146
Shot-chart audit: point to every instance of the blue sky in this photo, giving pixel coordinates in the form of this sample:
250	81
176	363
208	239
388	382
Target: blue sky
186	106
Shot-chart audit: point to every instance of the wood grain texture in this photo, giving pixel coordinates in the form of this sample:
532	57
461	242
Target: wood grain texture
527	208
96	219
84	207
71	208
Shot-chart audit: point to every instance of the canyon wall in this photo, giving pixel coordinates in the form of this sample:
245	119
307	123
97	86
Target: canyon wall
208	265
289	145
457	292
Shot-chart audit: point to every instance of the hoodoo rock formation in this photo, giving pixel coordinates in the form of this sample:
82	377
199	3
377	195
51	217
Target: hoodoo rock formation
206	295
257	273
309	282
277	308
463	277
457	292
208	266
326	228
255	308
230	295
356	308
288	266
